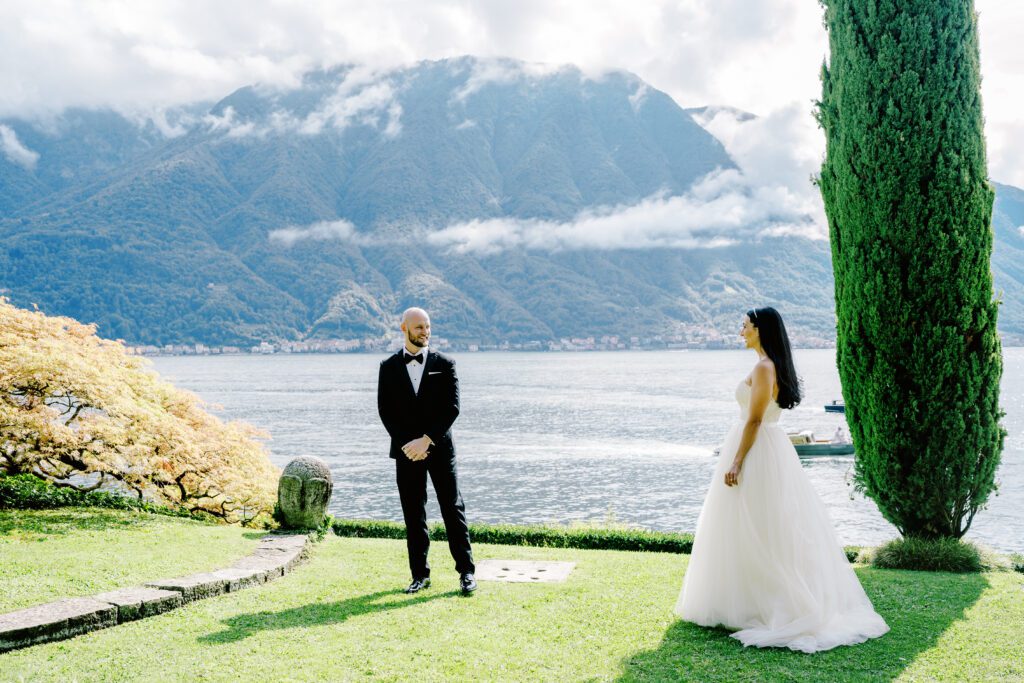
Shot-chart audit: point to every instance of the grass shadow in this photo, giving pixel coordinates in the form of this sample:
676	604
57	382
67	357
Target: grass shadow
245	625
63	521
918	606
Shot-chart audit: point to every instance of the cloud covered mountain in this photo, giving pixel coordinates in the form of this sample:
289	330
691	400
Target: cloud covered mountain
514	201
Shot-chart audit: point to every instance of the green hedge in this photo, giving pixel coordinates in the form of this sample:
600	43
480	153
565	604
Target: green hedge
29	492
544	536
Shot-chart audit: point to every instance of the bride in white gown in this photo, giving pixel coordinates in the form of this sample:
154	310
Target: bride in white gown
766	560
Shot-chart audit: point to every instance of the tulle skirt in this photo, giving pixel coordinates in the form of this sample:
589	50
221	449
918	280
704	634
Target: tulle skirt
766	560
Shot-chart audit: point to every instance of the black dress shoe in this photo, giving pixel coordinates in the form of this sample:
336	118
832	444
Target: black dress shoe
468	583
418	584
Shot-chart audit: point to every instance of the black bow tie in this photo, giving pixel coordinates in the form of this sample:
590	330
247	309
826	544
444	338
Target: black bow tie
409	357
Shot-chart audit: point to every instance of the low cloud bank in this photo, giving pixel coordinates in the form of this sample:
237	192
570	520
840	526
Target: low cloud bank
770	195
16	152
340	230
364	97
718	211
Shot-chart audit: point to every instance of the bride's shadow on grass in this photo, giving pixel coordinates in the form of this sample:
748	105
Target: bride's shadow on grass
918	606
317	614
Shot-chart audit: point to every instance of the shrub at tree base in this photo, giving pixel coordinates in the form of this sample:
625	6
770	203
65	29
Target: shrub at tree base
938	555
79	410
29	492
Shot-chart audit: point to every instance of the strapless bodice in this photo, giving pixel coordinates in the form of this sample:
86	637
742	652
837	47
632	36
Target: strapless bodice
771	413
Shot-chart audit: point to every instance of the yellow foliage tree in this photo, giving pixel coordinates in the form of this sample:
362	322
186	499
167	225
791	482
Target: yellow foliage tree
81	411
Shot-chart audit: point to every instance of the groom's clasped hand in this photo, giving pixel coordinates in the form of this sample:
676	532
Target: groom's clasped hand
417	448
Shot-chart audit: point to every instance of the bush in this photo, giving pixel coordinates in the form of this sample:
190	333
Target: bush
588	538
80	410
544	536
938	555
1017	561
29	492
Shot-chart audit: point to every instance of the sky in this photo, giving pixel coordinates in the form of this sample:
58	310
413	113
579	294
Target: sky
760	56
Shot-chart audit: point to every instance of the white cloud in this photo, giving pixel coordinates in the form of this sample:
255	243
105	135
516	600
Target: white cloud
353	103
340	230
722	209
394	126
778	154
636	100
16	152
363	96
757	55
228	124
487	71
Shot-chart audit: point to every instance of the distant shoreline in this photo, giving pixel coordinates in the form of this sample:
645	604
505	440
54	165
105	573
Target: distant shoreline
444	349
377	352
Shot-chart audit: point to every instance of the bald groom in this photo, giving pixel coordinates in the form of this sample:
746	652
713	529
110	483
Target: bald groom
418	401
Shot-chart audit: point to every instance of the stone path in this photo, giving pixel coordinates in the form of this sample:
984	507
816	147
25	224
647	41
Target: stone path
523	571
275	556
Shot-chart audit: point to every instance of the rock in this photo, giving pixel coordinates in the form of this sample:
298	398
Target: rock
54	621
139	601
303	493
195	586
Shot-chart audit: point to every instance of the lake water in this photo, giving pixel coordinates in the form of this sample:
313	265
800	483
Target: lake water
563	437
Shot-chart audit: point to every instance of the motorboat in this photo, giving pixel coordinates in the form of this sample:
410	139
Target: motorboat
806	444
837	406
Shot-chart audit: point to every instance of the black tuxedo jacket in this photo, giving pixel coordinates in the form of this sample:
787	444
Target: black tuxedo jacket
408	415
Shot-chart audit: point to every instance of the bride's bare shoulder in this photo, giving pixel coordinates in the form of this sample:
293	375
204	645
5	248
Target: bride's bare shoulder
765	369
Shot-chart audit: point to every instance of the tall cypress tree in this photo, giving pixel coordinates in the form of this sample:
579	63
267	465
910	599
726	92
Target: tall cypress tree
909	209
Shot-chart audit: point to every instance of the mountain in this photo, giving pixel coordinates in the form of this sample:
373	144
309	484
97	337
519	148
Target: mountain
314	212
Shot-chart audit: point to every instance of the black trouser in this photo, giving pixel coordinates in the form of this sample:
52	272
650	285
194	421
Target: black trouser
412	489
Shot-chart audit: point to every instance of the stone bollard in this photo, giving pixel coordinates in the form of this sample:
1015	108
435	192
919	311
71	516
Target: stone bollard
303	493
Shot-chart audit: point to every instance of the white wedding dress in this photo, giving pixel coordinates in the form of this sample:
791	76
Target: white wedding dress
766	560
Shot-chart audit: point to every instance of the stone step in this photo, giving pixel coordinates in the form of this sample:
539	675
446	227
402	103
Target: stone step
140	601
275	556
54	621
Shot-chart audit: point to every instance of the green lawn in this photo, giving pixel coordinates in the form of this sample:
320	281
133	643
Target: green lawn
341	616
70	552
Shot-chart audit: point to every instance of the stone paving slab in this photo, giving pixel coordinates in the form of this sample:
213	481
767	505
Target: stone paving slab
194	587
283	550
239	578
139	601
289	541
267	568
523	571
54	621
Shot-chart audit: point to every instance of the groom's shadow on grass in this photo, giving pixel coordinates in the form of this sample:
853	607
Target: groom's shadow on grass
918	606
319	614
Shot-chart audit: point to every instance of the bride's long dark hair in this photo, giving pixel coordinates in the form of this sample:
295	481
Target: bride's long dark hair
775	343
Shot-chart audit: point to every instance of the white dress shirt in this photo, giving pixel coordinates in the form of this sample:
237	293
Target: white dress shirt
415	369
